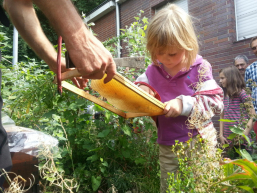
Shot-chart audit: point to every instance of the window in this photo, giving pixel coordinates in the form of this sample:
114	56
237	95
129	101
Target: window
181	3
246	15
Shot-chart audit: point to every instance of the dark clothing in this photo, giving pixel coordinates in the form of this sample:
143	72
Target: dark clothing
5	156
3	19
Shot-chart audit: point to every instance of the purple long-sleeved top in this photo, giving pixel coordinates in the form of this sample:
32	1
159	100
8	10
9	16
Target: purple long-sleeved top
183	86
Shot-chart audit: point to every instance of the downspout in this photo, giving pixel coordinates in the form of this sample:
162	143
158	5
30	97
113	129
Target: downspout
15	47
118	26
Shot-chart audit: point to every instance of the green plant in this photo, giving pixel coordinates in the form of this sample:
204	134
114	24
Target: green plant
246	180
198	170
100	152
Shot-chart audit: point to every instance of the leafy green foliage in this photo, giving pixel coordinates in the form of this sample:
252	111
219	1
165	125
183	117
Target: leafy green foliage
95	152
247	180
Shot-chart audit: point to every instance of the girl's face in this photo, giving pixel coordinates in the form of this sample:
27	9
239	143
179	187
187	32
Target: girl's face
223	80
172	59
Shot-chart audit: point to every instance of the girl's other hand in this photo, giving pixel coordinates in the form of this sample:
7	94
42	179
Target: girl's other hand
223	140
147	89
173	108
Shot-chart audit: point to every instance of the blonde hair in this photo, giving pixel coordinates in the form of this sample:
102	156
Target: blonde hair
172	27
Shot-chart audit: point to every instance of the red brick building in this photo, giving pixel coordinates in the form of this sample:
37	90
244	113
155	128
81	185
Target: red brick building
224	27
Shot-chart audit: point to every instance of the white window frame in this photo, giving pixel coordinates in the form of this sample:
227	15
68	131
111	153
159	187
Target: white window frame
241	15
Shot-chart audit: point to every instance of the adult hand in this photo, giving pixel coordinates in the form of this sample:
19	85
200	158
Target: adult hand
90	57
24	18
173	108
147	89
78	81
223	140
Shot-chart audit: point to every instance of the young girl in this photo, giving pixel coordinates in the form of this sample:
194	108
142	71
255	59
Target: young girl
175	76
234	95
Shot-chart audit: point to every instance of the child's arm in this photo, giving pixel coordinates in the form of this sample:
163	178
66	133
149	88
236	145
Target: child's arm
173	108
143	78
206	102
223	140
147	89
252	113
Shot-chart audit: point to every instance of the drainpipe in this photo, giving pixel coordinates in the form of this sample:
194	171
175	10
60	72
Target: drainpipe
118	26
15	47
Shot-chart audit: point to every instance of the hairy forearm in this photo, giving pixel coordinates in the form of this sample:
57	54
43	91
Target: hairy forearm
24	18
65	19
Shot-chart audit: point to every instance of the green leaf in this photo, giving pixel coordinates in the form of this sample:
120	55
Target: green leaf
228	169
107	117
49	114
225	145
98	108
236	130
238	176
102	169
56	117
105	164
127	130
96	181
93	158
246	155
232	136
145	20
247	139
247	188
137	18
227	120
104	133
145	27
12	97
126	153
142	32
249	167
140	161
237	150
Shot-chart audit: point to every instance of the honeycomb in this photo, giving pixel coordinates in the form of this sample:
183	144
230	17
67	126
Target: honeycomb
126	96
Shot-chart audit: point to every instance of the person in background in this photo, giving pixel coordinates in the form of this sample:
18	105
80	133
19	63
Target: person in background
234	96
241	62
5	156
251	78
87	53
173	46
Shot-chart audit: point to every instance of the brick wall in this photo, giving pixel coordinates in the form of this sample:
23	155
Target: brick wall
214	22
216	27
105	27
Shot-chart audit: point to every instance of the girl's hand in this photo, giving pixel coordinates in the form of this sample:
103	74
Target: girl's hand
173	108
223	140
147	89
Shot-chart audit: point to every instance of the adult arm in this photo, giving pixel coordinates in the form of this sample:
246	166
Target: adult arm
24	18
250	123
88	54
